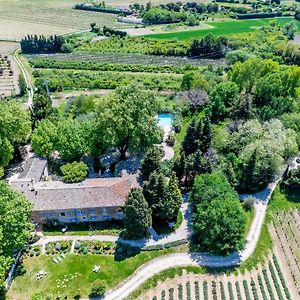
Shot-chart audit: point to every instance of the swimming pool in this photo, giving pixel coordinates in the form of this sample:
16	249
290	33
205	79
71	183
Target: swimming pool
164	119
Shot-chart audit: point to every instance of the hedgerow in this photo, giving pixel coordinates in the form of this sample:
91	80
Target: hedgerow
180	292
231	295
188	290
197	290
269	287
254	289
275	281
223	297
171	294
262	288
280	274
246	289
238	291
205	290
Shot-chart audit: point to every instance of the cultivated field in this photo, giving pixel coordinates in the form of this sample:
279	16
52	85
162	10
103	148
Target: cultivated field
222	28
18	18
285	231
21	17
276	278
264	283
9	71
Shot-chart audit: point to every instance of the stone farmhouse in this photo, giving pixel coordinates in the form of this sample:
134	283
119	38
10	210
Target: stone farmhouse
97	199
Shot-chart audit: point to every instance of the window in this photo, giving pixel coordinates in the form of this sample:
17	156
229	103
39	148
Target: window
63	214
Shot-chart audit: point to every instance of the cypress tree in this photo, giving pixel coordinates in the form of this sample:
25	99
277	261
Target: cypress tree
137	215
151	162
180	166
206	138
189	144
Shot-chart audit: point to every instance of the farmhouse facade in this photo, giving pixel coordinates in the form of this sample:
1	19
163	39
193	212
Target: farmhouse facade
98	199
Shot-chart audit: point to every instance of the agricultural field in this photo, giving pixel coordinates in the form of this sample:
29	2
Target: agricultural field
265	282
9	71
18	18
67	80
222	28
285	230
275	277
123	58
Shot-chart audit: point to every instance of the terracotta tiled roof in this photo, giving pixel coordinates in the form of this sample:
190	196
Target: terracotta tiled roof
92	193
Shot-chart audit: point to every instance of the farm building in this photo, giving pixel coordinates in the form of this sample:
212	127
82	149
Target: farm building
98	199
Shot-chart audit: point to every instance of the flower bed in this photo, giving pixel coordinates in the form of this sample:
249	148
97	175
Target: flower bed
54	248
94	247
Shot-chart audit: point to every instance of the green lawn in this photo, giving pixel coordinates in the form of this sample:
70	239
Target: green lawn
222	28
76	271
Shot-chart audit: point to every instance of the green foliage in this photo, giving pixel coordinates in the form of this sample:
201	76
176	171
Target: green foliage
66	80
40	44
15	225
151	162
74	172
98	288
44	137
69	137
292	180
208	46
223	100
163	198
41	106
137	215
158	15
22	85
208	187
139	45
126	119
15	128
260	151
218	220
238	55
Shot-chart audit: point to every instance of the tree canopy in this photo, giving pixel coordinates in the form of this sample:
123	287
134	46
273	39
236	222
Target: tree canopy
126	119
15	128
15	225
218	219
137	215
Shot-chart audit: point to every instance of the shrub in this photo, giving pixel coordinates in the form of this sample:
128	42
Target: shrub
58	246
171	139
74	172
77	245
98	288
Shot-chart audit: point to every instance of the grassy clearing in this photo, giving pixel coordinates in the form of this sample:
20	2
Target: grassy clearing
78	271
222	28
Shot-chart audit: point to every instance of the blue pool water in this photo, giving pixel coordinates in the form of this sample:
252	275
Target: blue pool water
164	120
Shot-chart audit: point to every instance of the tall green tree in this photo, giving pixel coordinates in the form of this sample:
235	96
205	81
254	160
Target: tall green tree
15	225
218	218
137	215
223	99
170	205
189	144
41	107
219	225
127	121
151	161
43	138
15	129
